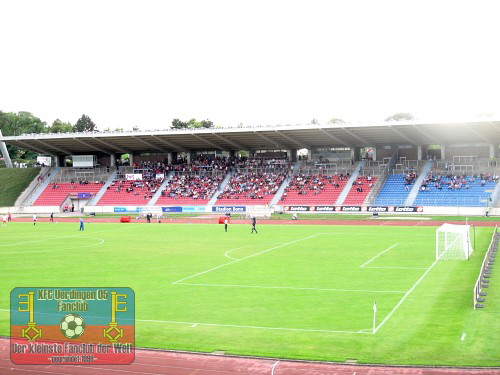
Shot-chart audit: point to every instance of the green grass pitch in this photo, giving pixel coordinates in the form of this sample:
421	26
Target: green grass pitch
288	292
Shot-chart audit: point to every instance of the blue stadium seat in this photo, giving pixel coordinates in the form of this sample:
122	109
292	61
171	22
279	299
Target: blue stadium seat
393	193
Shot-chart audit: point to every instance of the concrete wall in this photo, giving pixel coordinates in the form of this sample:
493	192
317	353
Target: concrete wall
480	151
408	153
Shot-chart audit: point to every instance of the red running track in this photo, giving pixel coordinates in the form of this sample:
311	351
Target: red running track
155	362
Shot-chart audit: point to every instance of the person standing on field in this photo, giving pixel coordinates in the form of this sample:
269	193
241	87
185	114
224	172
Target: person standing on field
34	219
4	220
254	223
51	217
226	221
9	217
81	224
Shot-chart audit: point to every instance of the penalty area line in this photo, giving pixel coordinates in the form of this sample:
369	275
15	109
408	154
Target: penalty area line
295	288
247	326
404	297
247	257
379	254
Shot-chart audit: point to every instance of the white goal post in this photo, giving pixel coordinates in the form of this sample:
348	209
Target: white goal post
453	242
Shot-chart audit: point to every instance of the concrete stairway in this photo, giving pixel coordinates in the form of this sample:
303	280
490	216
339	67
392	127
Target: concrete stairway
213	200
163	185
99	195
347	187
410	199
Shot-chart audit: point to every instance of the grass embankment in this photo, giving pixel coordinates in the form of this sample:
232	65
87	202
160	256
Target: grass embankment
13	181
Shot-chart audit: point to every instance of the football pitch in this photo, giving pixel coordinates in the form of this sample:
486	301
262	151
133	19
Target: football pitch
287	292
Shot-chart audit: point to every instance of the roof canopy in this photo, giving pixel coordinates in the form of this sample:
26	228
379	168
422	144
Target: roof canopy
262	137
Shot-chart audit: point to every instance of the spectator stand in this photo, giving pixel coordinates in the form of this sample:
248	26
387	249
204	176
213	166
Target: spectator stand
36	187
313	189
449	184
134	185
192	189
251	188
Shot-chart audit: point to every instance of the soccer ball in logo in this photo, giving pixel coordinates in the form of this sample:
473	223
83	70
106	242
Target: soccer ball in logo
72	326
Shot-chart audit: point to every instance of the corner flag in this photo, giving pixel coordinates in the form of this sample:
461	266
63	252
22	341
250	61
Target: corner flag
374	316
374	307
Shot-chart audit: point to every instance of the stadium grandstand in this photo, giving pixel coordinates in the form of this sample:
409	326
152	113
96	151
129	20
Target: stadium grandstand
405	166
281	268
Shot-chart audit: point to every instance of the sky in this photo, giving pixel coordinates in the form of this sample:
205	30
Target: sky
143	63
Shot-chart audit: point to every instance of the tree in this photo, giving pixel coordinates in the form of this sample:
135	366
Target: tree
178	124
14	124
192	124
207	124
59	126
314	121
400	116
135	128
85	124
335	120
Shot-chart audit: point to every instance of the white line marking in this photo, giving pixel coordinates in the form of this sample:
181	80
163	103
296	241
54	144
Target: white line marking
295	288
57	238
247	257
245	326
463	336
65	249
376	256
273	367
404	297
226	254
403	268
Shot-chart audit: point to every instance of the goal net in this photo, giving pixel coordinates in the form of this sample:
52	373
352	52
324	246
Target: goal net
453	242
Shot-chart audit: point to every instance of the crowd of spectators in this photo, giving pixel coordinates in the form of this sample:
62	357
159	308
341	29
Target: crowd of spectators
305	184
252	185
362	183
410	178
192	186
455	182
146	187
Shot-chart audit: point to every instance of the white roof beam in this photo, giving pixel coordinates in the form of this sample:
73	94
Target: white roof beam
425	135
411	141
172	145
484	138
232	143
293	140
54	147
213	144
109	144
336	139
91	146
274	143
37	149
363	140
147	143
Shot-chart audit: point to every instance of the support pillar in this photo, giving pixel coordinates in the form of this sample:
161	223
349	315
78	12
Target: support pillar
443	152
419	152
169	158
5	153
309	154
112	160
493	151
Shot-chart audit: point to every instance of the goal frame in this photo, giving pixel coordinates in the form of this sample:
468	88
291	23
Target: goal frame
467	248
